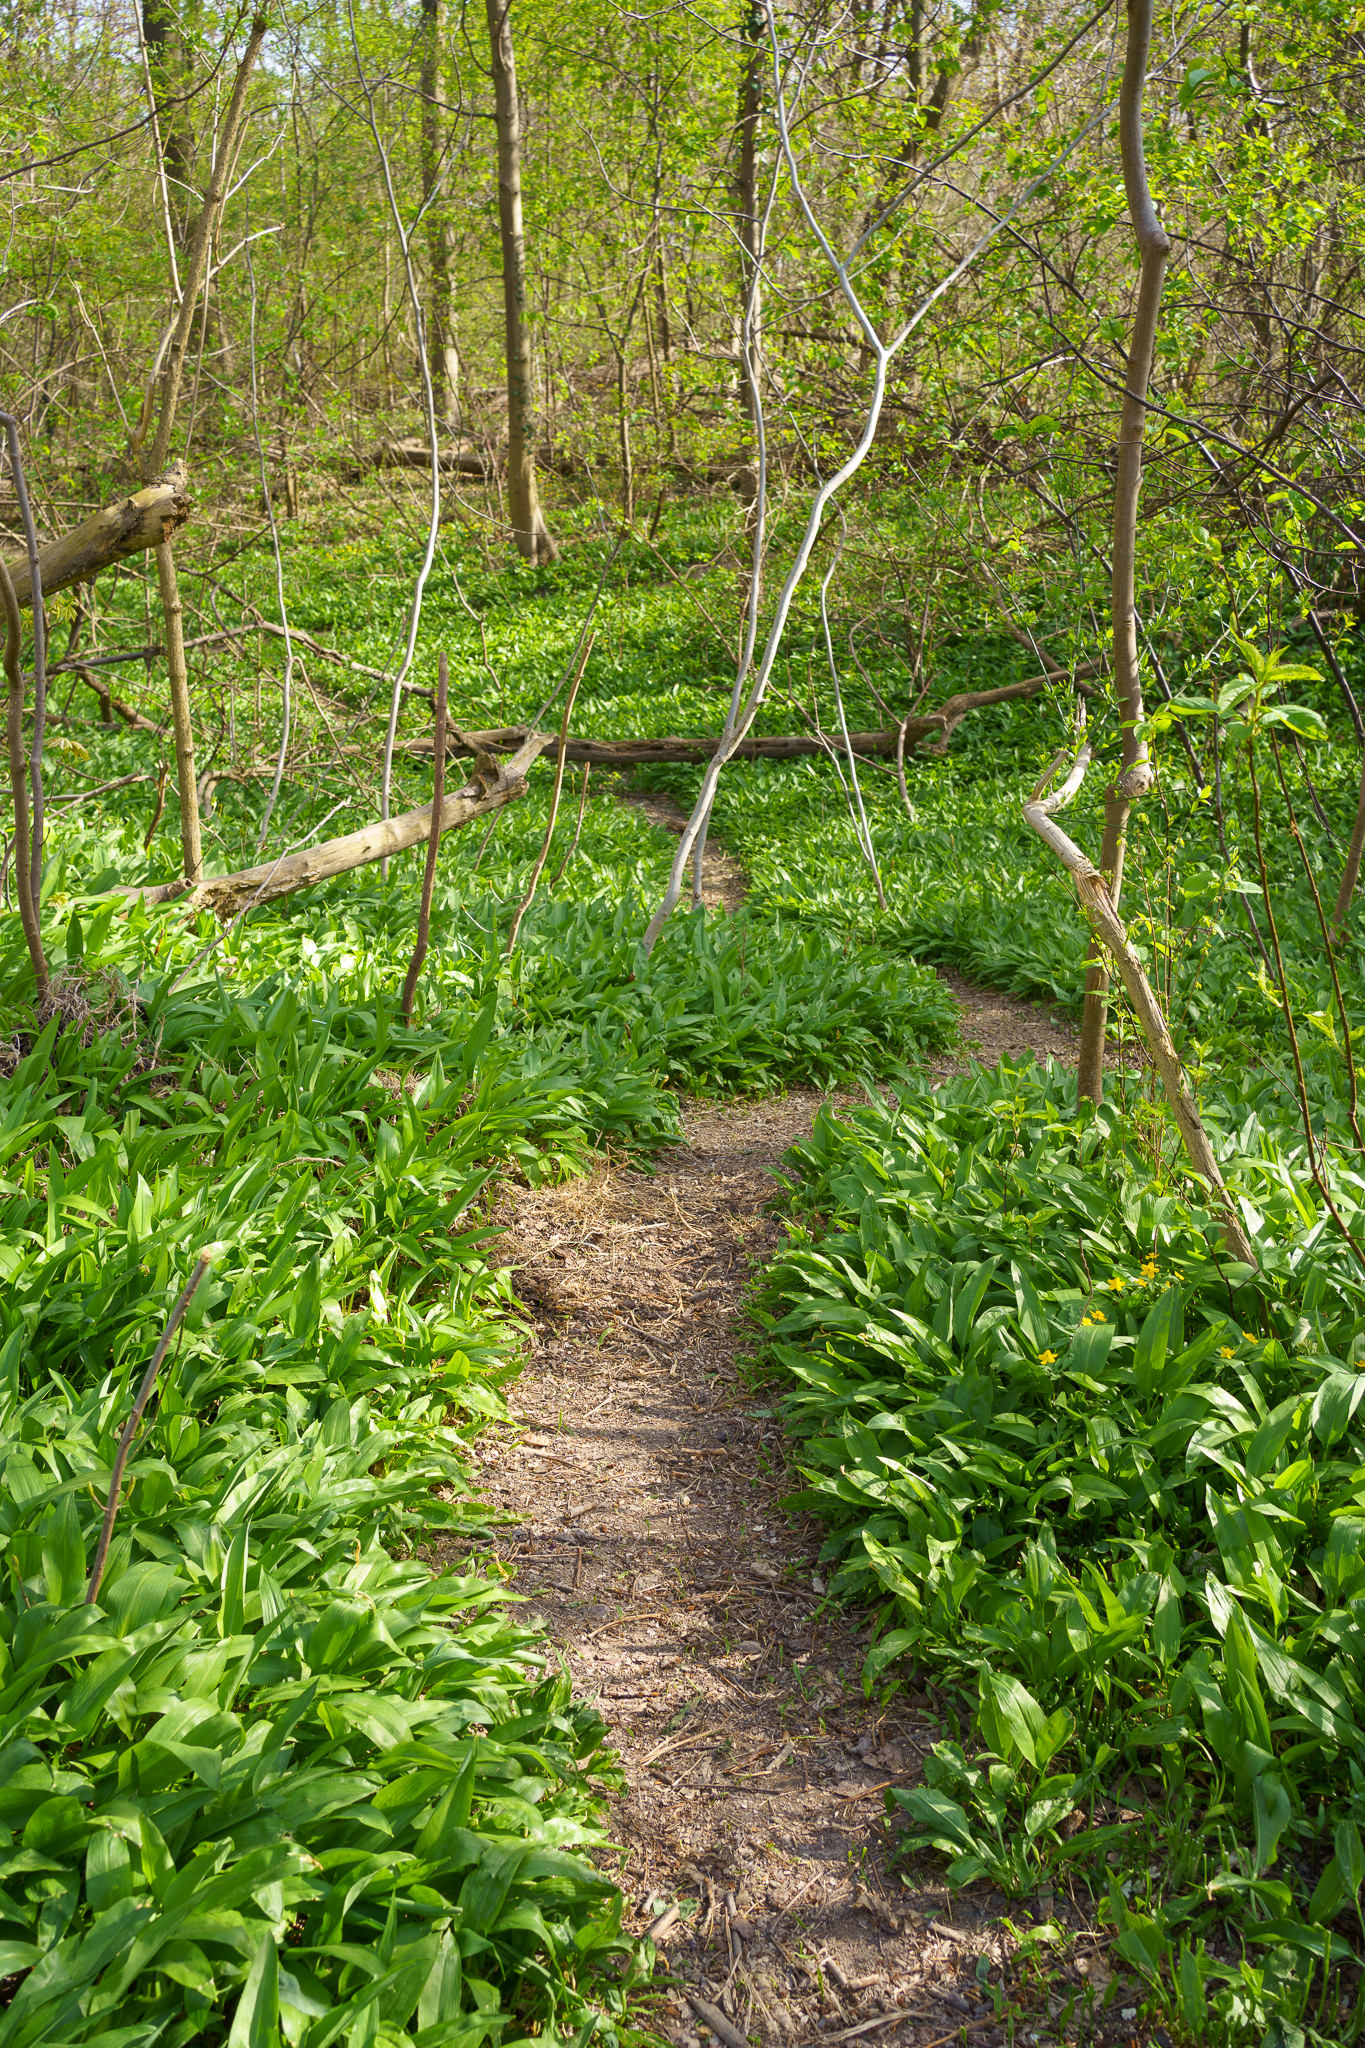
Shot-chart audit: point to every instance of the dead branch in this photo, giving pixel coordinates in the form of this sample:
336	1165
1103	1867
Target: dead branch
455	458
224	894
1109	929
129	527
144	1395
929	733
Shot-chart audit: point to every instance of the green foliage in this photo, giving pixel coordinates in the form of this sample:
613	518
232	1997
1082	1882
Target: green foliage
1108	1487
745	1005
281	1771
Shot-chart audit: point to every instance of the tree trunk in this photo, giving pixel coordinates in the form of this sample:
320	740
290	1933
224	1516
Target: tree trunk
529	530
169	77
196	267
1135	775
442	355
748	214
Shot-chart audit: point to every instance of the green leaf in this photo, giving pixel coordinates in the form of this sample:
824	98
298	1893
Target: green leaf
255	2024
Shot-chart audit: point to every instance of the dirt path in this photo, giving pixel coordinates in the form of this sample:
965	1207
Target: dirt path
649	1473
688	1604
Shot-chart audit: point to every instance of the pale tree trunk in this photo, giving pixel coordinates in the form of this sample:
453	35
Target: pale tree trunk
748	214
442	355
1135	774
529	530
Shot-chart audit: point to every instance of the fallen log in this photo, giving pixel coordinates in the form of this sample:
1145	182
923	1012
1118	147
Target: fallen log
454	458
228	894
933	727
130	527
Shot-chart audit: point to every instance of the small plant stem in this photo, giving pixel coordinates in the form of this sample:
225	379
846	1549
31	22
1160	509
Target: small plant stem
1348	1057
14	724
542	856
1301	1085
438	790
577	830
144	1395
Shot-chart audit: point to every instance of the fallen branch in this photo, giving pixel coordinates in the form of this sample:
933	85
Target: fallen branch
935	727
130	527
224	894
456	458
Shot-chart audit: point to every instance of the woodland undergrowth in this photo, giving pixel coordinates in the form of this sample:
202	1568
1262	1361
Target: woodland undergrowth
1102	1490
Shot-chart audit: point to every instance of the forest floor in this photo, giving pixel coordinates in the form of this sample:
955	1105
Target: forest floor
648	1471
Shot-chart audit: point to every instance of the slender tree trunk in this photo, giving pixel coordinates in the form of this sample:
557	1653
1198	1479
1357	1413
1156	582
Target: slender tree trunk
623	432
1135	775
196	264
529	530
178	676
748	213
442	354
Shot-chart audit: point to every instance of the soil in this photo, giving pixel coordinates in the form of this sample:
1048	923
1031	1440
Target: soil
648	1471
722	877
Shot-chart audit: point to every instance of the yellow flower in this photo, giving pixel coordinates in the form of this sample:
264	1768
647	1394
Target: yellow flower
1047	1358
1226	1351
1116	1286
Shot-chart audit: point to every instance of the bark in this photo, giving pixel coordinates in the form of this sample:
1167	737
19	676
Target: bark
14	728
196	265
1351	870
442	355
178	677
227	895
169	85
456	458
748	215
529	530
1135	774
130	527
539	866
933	729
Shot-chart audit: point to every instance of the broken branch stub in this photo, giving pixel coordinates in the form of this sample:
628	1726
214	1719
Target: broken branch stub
130	527
227	894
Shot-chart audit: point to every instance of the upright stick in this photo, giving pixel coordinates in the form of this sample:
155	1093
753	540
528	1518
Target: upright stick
14	676
31	852
438	790
125	1442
